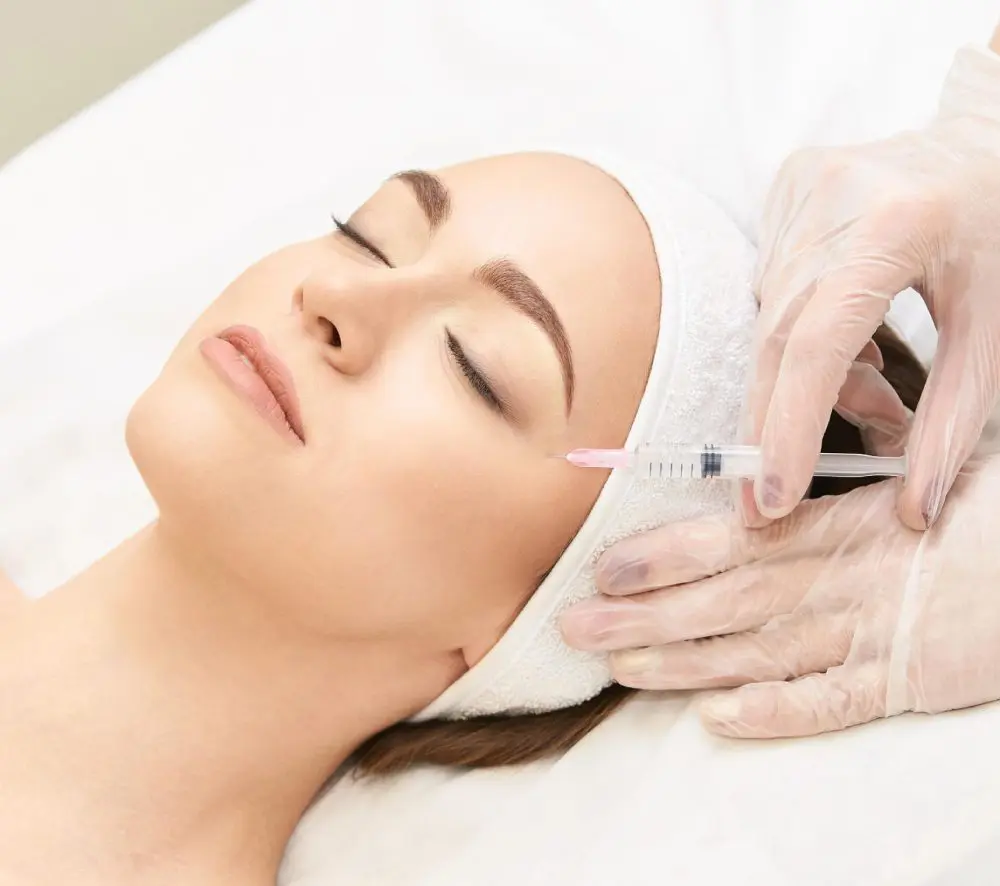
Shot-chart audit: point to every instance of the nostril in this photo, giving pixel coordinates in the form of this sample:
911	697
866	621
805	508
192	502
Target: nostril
332	333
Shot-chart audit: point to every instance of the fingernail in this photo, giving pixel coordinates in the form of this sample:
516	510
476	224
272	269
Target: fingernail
850	417
634	663
577	624
933	501
588	628
721	710
770	493
629	576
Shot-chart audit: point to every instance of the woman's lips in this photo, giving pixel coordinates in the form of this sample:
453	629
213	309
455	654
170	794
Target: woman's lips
241	356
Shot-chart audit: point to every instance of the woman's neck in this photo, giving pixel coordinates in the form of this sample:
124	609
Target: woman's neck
183	721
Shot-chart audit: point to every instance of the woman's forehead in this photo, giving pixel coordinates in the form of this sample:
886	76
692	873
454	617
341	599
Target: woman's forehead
571	222
553	185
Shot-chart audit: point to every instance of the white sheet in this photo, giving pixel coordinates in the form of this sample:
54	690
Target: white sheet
114	230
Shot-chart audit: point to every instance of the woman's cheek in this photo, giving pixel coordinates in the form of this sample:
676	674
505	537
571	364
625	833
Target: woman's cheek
425	474
411	465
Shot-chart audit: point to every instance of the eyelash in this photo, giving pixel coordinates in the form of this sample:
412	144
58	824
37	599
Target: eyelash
475	378
361	241
472	374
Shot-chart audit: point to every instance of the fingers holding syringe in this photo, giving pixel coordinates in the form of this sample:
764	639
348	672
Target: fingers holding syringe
960	395
778	325
816	361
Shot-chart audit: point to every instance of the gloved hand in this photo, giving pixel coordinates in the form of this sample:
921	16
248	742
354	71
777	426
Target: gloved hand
844	231
875	618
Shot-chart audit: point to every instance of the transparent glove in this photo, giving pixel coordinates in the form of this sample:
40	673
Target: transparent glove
843	232
873	618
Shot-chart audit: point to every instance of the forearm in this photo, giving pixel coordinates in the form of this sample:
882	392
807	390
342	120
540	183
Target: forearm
995	42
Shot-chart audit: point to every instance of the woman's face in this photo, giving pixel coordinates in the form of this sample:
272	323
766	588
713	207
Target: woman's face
506	310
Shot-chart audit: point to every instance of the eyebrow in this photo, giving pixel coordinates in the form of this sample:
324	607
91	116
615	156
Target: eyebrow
501	275
511	283
430	192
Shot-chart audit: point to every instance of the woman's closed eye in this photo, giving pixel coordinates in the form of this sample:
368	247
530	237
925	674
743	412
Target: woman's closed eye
359	239
476	377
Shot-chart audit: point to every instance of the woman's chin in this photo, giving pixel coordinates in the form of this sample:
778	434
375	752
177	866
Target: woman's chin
219	486
190	452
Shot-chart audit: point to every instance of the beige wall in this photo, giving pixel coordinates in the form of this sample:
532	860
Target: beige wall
58	56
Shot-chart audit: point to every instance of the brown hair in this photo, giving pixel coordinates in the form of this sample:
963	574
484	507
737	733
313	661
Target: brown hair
505	741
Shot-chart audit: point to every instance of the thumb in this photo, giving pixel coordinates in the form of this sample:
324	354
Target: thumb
844	696
961	393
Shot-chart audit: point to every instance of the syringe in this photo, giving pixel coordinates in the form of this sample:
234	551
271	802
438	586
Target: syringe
727	462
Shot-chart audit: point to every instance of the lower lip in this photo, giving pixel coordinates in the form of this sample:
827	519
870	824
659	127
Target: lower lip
245	381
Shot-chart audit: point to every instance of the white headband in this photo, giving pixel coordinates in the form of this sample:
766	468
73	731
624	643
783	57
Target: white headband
693	395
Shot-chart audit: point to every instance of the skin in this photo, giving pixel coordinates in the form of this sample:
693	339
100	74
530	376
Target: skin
203	680
11	598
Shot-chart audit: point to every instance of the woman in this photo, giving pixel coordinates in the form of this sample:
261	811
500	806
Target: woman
350	453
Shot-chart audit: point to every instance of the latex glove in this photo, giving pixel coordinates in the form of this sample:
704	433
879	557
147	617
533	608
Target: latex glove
876	619
844	231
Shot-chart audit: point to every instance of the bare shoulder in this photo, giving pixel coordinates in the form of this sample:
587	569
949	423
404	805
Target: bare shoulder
11	596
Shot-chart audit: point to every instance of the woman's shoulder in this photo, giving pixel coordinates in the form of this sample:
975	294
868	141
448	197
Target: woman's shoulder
11	596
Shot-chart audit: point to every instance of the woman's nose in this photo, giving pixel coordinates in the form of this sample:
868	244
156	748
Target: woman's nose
351	314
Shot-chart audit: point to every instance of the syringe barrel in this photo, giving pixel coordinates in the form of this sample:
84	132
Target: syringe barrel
698	462
734	461
737	462
673	463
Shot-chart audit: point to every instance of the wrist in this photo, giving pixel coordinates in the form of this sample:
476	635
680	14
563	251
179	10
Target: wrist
995	42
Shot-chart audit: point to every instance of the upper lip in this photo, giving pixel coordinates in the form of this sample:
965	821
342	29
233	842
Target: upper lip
274	373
